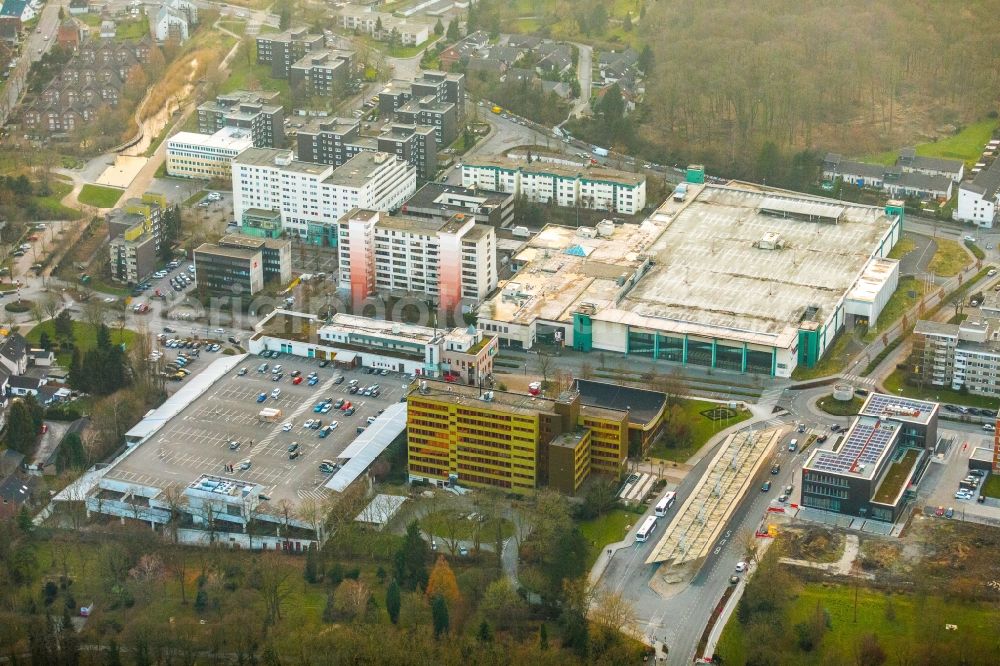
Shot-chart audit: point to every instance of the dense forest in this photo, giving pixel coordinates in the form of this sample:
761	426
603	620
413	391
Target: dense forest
854	76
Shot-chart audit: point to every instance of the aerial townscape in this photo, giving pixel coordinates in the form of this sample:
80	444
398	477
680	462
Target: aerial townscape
545	332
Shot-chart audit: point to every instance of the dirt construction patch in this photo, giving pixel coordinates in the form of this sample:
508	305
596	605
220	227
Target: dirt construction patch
815	544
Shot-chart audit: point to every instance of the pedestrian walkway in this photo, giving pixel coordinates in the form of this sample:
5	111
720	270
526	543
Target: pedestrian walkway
859	381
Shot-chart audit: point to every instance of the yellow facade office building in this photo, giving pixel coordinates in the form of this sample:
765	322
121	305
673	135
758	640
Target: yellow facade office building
510	441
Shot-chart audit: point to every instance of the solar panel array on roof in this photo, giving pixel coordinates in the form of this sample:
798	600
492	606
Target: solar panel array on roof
865	444
882	405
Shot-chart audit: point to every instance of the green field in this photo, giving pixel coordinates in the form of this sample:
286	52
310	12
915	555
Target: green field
902	248
603	530
84	335
51	206
702	429
131	30
99	196
895	383
949	258
440	524
899	303
251	76
967	145
916	624
991	488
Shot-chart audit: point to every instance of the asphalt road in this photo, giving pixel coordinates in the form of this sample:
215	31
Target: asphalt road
680	620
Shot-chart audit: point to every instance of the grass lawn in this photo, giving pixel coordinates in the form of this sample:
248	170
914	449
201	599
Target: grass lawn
53	209
902	248
833	361
894	478
899	303
93	20
917	620
235	27
437	523
975	250
99	196
967	145
84	334
131	30
195	198
992	486
243	74
609	528
895	383
702	429
949	259
839	407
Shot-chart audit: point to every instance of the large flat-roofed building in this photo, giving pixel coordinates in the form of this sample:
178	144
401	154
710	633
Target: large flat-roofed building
736	276
336	140
247	261
596	188
647	410
463	355
313	197
453	261
282	50
236	269
382	25
962	356
434	99
254	111
442	201
194	477
869	471
206	156
515	442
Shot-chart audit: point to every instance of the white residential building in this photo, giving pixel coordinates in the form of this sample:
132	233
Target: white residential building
206	156
453	260
380	25
587	187
318	195
979	198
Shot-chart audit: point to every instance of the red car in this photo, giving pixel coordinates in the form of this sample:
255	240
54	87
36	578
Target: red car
297	380
345	406
32	238
45	428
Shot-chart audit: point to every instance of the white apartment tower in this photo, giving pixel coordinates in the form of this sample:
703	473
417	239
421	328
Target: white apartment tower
312	197
452	261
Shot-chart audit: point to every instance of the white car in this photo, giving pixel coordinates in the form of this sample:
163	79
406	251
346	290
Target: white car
989	427
741	567
275	393
308	423
963	495
110	299
969	238
286	426
333	425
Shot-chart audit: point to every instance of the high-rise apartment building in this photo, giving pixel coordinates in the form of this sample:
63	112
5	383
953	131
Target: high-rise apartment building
256	112
336	140
453	261
282	50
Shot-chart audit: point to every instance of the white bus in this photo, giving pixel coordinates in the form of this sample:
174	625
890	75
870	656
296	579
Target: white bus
646	529
664	504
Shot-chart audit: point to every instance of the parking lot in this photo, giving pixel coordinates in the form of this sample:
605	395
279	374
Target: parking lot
942	479
197	440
